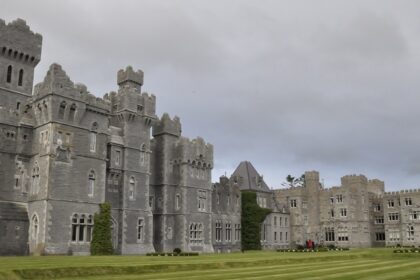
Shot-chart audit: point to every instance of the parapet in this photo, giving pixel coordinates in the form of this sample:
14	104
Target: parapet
195	151
166	125
56	81
130	78
353	179
18	42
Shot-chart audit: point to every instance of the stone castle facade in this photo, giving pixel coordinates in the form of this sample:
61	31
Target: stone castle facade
63	151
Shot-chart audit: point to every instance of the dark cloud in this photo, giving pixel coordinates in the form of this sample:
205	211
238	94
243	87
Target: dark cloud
289	85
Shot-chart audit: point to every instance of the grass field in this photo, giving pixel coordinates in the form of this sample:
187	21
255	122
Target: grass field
378	264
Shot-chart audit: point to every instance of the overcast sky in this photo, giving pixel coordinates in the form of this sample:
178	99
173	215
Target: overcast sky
332	86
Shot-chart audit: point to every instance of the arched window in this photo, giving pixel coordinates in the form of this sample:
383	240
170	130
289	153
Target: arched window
61	110
91	183
92	140
131	188
9	74
72	112
35	179
20	81
34	228
142	154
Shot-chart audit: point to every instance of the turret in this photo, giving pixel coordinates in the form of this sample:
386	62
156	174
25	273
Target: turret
20	52
166	125
130	78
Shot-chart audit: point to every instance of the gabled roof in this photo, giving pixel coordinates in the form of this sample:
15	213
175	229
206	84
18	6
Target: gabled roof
248	178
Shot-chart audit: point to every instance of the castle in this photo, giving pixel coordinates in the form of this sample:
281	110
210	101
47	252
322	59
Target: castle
64	151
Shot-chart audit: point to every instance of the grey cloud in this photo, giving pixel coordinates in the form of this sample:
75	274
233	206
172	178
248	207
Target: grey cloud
288	85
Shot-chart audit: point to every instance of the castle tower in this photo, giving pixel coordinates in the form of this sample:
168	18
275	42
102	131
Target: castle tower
20	52
129	164
181	188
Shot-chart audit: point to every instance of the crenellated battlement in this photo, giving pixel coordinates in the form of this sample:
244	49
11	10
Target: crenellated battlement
166	125
18	42
56	81
353	179
405	191
130	78
195	151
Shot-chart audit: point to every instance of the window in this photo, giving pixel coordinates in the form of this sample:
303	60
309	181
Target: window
178	202
293	203
304	205
91	183
237	201
329	234
390	203
343	212
332	200
218	198
142	154
280	221
117	157
35	179
218	235
394	236
286	222
237	232
61	110
275	221
131	187
281	236
263	232
34	228
275	237
140	229
196	233
152	202
393	216
72	112
285	238
228	232
228	200
343	236
20	81
408	201
17	105
9	74
92	144
305	220
379	220
380	236
414	215
410	233
202	201
339	198
377	207
332	213
82	226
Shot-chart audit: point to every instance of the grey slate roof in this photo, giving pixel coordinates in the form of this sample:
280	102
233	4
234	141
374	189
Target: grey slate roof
247	177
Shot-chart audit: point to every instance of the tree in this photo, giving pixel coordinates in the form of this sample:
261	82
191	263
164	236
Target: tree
101	243
294	182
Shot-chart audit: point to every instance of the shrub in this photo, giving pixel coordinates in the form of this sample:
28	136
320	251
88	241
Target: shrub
101	243
252	217
177	251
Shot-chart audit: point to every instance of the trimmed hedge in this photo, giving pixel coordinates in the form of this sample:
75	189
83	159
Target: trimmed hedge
322	249
101	238
407	251
182	254
252	217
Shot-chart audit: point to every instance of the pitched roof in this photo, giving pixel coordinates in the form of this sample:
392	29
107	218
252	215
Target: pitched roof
248	178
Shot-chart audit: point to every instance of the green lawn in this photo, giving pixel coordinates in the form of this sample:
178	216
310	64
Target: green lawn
354	264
